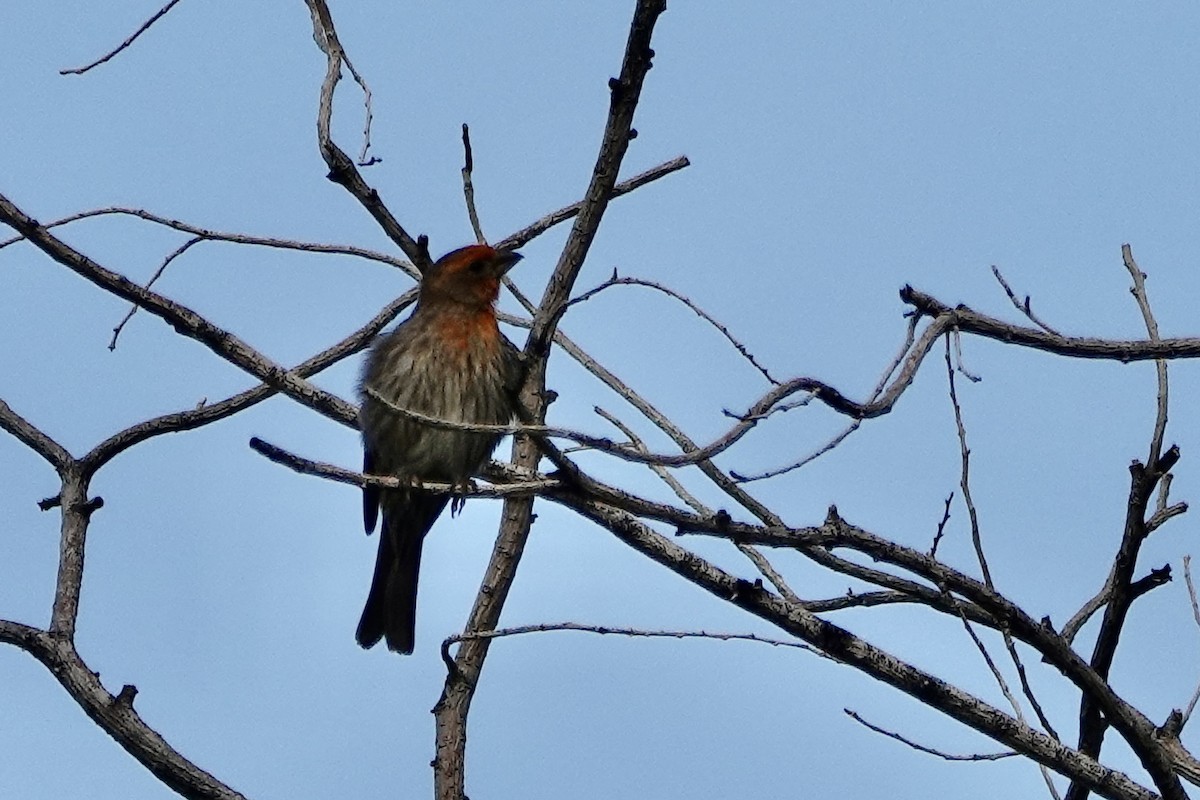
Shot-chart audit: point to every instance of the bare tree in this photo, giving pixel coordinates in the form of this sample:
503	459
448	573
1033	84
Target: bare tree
544	467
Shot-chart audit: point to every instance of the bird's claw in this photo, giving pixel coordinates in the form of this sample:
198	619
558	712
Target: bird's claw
458	498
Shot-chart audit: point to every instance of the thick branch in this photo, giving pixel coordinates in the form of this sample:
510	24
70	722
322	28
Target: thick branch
115	714
33	438
1137	729
969	321
1119	589
850	649
454	705
76	514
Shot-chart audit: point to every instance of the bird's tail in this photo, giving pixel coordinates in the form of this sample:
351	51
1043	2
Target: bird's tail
391	610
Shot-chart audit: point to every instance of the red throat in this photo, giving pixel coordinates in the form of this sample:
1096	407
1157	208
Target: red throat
478	328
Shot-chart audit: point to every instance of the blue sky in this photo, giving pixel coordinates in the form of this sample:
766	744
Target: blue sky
839	150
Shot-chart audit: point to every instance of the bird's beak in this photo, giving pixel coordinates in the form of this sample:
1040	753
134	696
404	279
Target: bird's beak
504	261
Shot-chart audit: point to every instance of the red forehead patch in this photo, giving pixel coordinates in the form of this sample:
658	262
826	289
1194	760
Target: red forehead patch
472	252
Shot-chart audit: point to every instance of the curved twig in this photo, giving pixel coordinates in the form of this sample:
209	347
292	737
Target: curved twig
616	280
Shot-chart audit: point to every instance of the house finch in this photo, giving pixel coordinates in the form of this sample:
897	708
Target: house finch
447	360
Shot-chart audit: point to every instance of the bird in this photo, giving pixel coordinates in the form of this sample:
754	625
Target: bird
450	361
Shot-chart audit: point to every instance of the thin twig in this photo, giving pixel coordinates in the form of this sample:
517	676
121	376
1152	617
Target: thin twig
616	280
890	370
468	187
212	412
133	307
662	472
342	170
1191	589
964	482
183	319
210	235
959	365
925	749
546	627
364	160
132	38
1010	697
1025	307
941	526
977	543
545	223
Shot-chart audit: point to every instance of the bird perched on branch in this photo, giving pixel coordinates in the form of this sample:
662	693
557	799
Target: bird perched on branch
448	360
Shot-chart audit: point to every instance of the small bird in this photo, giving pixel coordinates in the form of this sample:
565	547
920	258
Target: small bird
447	360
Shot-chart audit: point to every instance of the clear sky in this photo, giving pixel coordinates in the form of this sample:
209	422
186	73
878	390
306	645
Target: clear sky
839	150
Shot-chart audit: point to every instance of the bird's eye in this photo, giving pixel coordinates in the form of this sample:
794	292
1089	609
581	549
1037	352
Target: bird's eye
478	266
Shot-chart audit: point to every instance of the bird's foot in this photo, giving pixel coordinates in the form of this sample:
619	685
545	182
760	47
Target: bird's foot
458	497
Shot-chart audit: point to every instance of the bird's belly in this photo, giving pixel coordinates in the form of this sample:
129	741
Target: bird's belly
465	392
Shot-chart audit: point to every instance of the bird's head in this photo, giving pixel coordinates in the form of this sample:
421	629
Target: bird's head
469	276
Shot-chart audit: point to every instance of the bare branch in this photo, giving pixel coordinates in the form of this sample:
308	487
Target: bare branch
452	708
306	466
123	45
469	187
1024	307
616	280
969	321
1161	516
1191	589
756	557
211	412
210	235
115	714
1119	589
1137	729
1009	696
854	651
32	437
341	169
176	253
1139	293
500	633
910	336
537	228
930	750
180	317
76	515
